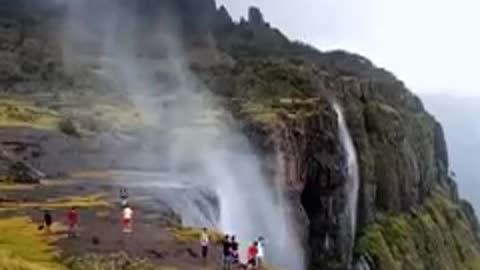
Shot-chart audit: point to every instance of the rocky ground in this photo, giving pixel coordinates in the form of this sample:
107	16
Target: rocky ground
156	236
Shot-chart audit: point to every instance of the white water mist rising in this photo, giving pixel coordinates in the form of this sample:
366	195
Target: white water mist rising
203	150
362	264
353	183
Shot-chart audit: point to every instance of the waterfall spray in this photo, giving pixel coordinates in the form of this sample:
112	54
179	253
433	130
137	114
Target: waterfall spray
203	150
361	264
352	170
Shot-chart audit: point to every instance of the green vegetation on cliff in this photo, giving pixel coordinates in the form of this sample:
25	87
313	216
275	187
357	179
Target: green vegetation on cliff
185	235
23	247
17	113
405	163
437	235
95	200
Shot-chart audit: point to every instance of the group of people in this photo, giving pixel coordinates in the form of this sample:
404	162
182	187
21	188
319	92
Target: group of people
127	212
230	247
231	256
72	218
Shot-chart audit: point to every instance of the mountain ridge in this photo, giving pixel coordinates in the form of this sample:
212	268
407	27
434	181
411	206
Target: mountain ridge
279	91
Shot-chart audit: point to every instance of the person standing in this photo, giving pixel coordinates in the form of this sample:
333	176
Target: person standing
204	241
72	217
226	244
127	219
123	197
234	250
260	251
252	256
48	220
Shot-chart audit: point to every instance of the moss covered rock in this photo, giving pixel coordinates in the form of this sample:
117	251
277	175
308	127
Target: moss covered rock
437	235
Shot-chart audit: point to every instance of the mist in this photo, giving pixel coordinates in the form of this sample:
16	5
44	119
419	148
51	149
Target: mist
141	55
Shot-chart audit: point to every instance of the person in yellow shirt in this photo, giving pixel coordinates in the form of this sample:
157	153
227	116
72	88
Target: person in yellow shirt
204	242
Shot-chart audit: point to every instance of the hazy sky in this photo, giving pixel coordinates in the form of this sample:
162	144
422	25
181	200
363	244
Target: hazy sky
433	45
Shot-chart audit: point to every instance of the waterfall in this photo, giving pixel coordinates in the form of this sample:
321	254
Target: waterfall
362	264
201	148
353	183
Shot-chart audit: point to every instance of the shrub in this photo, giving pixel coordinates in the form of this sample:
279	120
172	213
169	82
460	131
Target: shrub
186	235
24	247
67	126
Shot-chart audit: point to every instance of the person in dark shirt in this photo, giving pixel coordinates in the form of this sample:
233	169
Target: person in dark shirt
123	197
226	252
204	242
234	250
47	218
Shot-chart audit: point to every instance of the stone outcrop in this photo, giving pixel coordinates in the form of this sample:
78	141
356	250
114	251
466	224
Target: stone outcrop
255	17
14	170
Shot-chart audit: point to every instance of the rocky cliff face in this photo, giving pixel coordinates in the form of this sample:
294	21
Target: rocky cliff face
280	92
401	152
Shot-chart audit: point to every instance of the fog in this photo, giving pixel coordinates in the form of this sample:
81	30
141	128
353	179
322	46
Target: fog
204	152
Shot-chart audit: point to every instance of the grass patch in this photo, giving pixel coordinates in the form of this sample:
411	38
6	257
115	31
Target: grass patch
102	214
90	201
275	110
112	262
72	113
16	113
23	247
56	182
186	235
97	175
96	200
124	117
92	112
16	187
9	261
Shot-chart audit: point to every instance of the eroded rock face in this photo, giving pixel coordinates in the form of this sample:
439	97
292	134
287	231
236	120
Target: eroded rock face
306	157
400	151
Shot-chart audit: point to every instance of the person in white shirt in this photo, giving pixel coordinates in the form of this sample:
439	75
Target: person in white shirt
260	251
204	241
127	219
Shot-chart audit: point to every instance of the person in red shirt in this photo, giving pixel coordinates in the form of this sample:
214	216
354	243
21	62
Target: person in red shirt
72	222
252	255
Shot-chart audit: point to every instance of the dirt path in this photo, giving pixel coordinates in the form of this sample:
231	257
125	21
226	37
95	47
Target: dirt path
151	238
